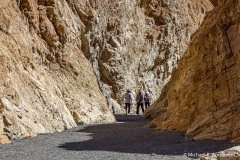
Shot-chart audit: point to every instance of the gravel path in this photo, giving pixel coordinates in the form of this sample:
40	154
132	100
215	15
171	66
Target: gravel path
126	139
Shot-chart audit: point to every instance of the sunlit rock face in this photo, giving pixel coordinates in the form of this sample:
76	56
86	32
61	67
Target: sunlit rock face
202	97
69	62
136	44
47	84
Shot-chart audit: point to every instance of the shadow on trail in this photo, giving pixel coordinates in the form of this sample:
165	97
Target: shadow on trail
130	137
130	118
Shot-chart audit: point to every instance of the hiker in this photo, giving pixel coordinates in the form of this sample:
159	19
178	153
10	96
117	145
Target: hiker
128	101
139	100
147	99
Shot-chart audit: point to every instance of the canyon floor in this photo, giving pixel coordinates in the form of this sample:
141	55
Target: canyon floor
125	139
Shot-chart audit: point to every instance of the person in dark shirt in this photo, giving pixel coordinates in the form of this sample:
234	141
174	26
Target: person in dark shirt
147	99
140	100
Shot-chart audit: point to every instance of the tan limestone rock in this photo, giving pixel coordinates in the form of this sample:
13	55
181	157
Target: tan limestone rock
202	97
4	140
46	84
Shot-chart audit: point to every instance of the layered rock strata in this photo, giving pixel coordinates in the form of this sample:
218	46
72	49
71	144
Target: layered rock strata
202	98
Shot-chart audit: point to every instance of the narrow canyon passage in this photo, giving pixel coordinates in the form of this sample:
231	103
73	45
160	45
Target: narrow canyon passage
70	62
125	139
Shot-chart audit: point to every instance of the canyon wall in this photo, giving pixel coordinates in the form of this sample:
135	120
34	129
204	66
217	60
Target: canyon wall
67	62
136	44
47	84
202	97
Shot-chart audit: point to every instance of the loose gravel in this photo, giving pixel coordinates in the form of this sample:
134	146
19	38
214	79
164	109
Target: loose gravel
126	139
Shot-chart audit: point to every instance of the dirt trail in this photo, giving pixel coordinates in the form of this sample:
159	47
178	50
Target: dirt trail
125	139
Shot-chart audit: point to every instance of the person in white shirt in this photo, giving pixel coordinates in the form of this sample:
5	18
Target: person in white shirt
128	101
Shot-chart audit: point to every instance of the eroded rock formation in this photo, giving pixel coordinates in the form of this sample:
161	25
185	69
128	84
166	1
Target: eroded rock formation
63	62
136	44
202	98
47	84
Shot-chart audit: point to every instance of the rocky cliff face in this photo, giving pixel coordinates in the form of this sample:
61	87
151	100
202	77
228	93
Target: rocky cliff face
202	98
47	84
136	44
63	62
